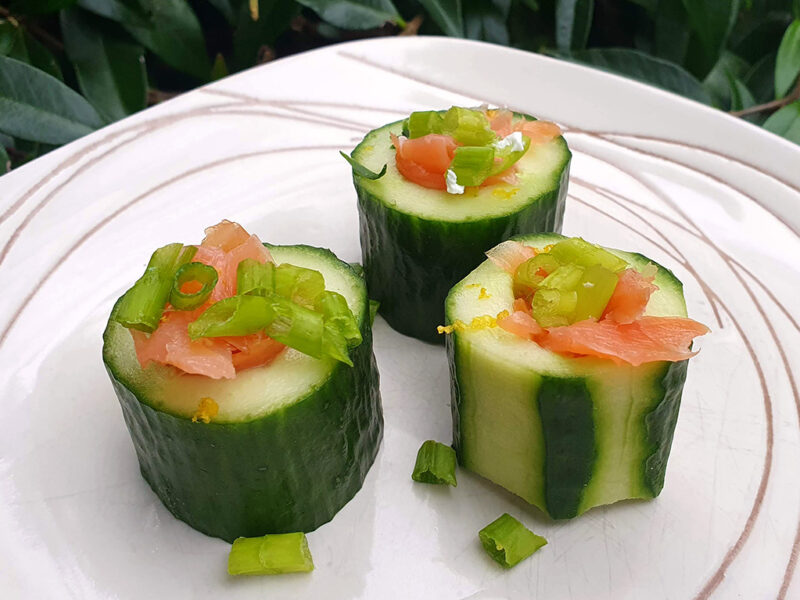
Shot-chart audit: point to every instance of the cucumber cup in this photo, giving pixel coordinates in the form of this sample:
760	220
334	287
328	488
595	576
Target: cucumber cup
565	430
277	448
419	239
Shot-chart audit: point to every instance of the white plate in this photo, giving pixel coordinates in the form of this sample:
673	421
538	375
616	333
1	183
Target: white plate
714	198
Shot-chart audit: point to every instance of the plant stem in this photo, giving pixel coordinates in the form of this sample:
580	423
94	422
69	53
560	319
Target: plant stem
155	96
770	106
412	27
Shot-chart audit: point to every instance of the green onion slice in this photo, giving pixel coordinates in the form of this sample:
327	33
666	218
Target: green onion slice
270	555
299	284
565	278
255	278
594	291
507	151
552	308
581	252
361	170
334	344
436	463
472	164
238	315
297	327
532	272
334	309
423	123
508	541
143	304
468	127
205	275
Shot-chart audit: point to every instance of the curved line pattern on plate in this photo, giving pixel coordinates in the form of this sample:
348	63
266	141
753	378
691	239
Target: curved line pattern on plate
166	183
244	101
735	267
714	581
142	130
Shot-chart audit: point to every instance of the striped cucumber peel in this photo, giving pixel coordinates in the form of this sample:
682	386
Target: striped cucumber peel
416	243
292	441
565	434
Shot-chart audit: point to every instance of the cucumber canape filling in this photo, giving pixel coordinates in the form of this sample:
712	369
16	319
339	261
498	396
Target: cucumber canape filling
578	299
568	362
247	381
441	187
224	306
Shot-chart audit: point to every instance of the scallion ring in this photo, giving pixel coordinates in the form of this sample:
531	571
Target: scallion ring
203	274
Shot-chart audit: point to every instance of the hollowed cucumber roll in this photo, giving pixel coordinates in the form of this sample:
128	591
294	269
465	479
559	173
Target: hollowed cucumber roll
456	183
248	385
567	365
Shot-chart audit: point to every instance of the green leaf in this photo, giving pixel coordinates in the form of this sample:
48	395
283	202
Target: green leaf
110	69
250	36
786	122
361	170
355	14
168	28
671	31
487	20
711	21
758	32
5	162
127	12
36	106
226	8
741	97
573	22
796	9
760	78
787	65
717	82
41	58
645	68
38	7
447	15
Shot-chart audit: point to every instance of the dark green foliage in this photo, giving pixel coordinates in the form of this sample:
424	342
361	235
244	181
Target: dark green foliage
736	55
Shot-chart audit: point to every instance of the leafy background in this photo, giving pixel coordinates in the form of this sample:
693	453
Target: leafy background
68	67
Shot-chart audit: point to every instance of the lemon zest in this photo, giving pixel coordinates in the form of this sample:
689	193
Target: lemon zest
504	192
206	410
484	294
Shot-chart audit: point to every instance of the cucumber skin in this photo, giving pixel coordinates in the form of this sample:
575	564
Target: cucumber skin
659	426
289	471
565	407
411	263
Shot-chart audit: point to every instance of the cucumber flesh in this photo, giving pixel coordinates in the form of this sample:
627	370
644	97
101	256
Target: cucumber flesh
291	443
565	434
